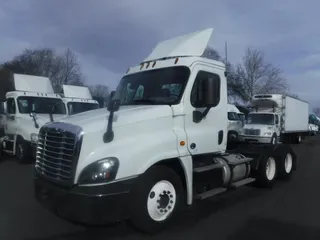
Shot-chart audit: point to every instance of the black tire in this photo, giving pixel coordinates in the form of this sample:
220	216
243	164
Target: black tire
1	152
233	136
23	151
285	168
262	179
274	139
139	214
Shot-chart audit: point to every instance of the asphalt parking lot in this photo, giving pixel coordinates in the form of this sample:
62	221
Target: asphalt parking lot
289	211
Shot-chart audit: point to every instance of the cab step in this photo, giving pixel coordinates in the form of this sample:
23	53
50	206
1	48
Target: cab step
211	193
242	182
207	167
217	191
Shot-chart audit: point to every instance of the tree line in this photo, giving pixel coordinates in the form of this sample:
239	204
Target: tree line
59	68
253	75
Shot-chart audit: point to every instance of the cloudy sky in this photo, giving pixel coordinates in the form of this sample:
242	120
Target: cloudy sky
109	35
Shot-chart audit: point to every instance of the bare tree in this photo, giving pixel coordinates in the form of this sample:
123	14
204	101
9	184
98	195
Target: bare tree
255	76
68	70
234	93
45	62
100	91
6	83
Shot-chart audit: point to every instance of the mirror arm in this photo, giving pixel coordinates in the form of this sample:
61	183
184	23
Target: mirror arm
206	111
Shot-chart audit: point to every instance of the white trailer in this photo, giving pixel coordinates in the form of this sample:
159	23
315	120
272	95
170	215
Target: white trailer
276	117
154	152
32	104
78	99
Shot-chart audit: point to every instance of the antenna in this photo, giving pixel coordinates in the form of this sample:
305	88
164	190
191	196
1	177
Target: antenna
226	51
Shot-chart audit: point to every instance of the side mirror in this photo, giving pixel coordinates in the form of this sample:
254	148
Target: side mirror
113	104
208	95
33	114
2	108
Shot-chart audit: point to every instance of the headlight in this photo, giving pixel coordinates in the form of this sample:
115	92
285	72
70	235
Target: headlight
267	133
101	171
34	137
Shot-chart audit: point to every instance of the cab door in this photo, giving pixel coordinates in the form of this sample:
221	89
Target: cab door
208	135
11	121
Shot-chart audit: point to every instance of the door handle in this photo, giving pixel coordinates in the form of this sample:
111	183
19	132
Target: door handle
12	118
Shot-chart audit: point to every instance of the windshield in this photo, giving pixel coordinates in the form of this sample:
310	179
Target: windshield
79	107
233	116
154	87
40	105
266	119
242	116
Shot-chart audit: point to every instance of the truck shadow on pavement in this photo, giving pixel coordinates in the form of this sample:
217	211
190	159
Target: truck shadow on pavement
263	229
188	220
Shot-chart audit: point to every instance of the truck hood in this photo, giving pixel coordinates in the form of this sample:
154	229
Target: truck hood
93	120
26	123
45	118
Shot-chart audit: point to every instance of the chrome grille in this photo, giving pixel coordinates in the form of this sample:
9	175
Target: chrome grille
58	151
252	132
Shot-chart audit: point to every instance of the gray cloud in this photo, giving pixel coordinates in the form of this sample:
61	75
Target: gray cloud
110	36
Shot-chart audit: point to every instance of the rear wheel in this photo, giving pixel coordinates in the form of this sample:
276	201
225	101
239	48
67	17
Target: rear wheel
267	172
157	198
286	161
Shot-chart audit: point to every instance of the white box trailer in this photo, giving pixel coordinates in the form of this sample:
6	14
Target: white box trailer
276	117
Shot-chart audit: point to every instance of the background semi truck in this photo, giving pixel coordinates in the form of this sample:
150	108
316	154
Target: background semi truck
235	123
30	105
276	117
78	99
153	153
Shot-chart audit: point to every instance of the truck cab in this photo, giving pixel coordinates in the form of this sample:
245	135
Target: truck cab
234	122
263	121
78	99
276	117
160	144
260	127
30	106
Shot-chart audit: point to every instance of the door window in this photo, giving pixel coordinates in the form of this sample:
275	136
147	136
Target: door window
11	106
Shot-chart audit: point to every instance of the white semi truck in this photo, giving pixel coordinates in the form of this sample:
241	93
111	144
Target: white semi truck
153	153
234	123
32	104
78	99
276	117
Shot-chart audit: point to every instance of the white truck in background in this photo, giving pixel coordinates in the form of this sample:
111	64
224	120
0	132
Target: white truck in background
153	153
235	124
29	106
78	99
2	118
276	117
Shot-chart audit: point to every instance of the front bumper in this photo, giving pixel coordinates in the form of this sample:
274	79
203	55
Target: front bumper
257	139
89	205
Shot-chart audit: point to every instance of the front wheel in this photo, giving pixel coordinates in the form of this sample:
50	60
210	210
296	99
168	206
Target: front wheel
274	139
156	199
22	151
